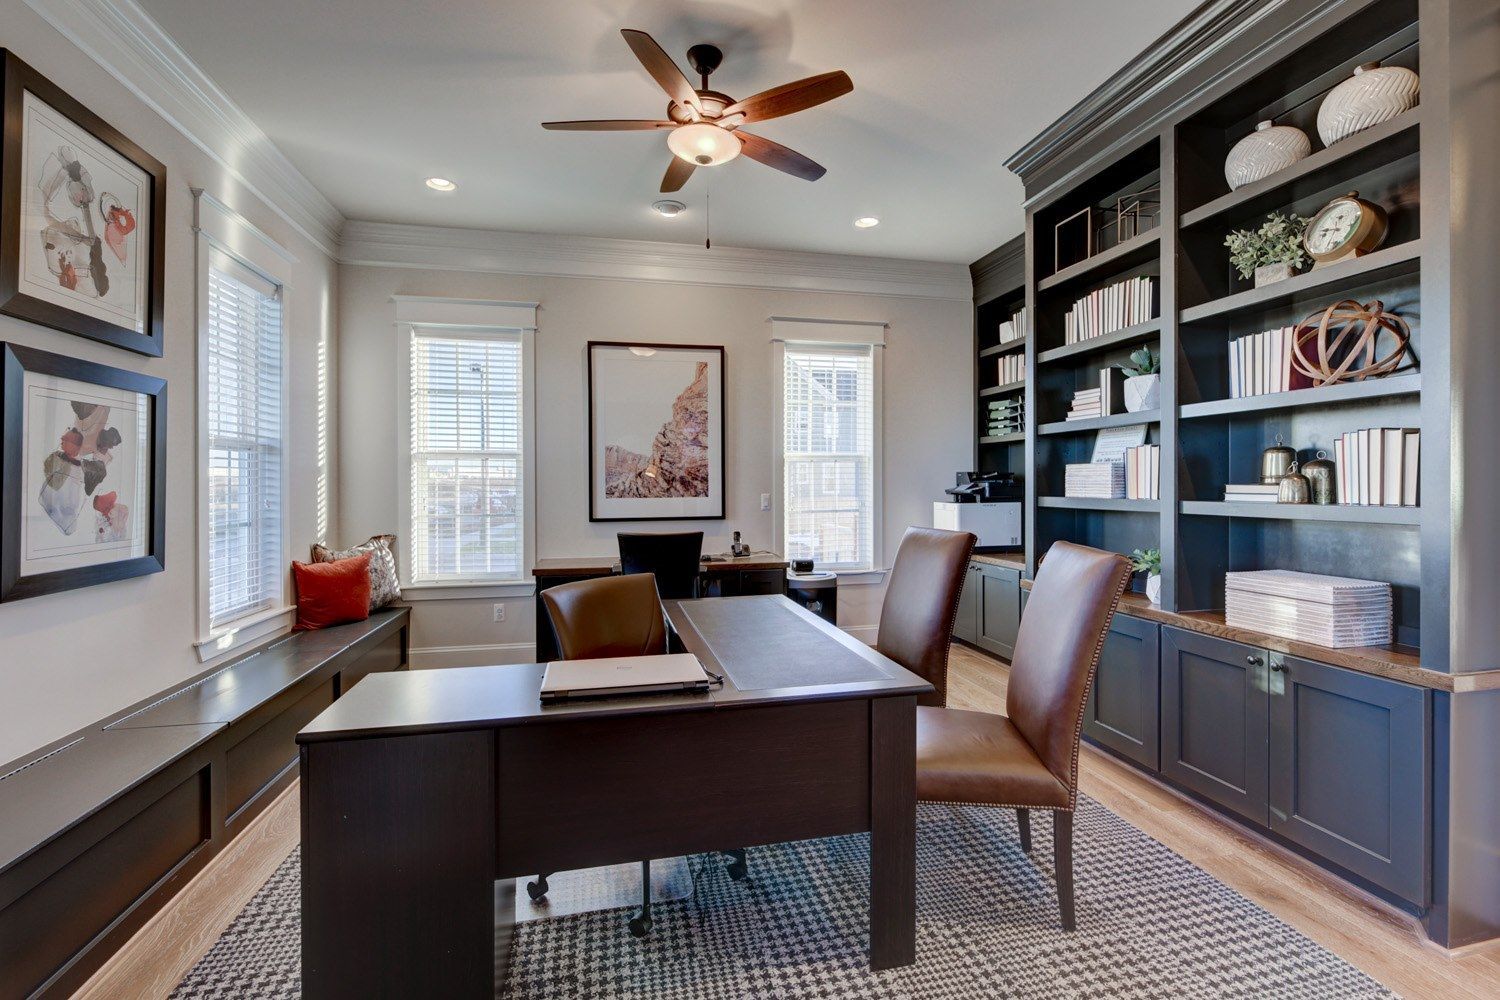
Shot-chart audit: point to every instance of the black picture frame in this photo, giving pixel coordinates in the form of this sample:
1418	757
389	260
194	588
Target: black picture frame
18	78
15	361
594	514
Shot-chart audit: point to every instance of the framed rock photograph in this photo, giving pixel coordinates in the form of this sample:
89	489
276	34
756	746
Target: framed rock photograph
82	212
656	432
83	457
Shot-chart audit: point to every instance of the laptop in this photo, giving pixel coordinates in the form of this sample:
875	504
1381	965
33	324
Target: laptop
623	675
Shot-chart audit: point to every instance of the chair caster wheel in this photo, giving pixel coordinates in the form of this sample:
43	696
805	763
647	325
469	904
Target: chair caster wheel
537	889
640	926
738	870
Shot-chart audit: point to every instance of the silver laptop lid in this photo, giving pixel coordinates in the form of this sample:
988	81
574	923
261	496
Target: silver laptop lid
660	672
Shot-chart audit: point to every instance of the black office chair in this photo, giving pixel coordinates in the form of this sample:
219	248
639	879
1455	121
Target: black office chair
672	556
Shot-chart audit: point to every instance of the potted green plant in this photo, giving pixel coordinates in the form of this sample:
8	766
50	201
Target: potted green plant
1272	252
1149	562
1142	380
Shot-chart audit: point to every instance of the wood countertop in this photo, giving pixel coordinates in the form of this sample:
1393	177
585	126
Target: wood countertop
1010	560
716	562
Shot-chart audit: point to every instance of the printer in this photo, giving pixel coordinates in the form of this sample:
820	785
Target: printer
988	504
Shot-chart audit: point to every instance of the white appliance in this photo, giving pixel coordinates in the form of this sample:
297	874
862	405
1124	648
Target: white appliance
996	525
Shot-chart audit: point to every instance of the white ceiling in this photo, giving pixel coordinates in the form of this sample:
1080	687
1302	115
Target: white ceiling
368	97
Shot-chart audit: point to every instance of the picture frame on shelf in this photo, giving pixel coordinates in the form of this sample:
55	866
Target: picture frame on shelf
82	218
83	452
1073	239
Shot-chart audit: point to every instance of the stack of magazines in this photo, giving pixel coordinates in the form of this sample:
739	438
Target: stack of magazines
1331	611
1095	480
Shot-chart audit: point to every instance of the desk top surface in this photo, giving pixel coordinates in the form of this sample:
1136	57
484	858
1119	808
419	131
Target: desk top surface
832	665
717	562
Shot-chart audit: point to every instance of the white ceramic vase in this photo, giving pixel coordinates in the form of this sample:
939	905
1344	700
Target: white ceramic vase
1153	589
1268	274
1142	392
1267	150
1374	94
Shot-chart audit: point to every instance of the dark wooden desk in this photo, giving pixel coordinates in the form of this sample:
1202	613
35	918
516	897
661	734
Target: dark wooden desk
425	794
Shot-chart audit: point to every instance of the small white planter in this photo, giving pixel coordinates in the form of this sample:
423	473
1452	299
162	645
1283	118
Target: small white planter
1153	589
1142	392
1268	274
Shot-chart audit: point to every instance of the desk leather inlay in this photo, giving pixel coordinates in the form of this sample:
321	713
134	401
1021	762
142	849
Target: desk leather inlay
761	645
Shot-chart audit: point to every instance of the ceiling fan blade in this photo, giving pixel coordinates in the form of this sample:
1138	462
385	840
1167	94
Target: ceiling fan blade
662	69
774	154
610	125
678	171
790	98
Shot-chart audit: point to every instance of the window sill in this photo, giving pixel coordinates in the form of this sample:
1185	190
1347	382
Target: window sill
252	628
474	591
860	577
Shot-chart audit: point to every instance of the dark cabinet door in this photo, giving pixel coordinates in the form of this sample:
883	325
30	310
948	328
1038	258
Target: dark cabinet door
1123	705
1349	765
1213	719
966	624
999	609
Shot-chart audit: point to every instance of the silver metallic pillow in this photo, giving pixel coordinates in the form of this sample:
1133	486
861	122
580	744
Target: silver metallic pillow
385	585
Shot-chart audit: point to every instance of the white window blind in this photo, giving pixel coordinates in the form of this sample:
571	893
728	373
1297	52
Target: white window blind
467	462
828	452
244	428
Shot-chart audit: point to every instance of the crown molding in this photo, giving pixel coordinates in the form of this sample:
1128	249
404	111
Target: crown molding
380	244
1001	270
129	45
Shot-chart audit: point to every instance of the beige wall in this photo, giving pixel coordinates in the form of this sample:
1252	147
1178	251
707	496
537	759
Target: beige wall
69	659
927	416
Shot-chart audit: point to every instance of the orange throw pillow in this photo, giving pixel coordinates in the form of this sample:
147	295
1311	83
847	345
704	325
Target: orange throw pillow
332	593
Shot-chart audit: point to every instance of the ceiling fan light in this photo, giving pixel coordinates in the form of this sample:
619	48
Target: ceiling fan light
703	144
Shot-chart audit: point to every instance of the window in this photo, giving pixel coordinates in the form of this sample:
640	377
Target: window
828	459
468	456
244	432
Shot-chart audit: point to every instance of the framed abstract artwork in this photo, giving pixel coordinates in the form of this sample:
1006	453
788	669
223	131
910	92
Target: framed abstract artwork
82	218
656	432
83	461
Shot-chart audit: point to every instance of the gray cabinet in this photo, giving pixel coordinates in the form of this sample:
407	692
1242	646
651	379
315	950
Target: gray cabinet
999	608
1123	706
1214	720
1349	770
966	624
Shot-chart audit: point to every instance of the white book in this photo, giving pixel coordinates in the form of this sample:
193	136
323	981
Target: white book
1234	370
1375	470
1411	473
1340	468
1395	475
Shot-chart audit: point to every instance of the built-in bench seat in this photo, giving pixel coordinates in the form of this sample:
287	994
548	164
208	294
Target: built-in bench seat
104	826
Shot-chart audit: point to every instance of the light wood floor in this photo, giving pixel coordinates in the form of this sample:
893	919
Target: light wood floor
1386	944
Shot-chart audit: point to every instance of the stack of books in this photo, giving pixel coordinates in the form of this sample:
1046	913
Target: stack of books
1010	368
1108	398
1330	611
1087	404
1016	327
1262	363
1008	416
1143	472
1378	466
1095	480
1251	492
1106	310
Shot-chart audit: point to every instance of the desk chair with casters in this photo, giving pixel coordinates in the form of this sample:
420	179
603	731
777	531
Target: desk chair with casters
1027	758
608	616
673	557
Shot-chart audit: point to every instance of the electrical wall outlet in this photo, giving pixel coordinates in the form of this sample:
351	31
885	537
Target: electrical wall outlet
765	501
499	613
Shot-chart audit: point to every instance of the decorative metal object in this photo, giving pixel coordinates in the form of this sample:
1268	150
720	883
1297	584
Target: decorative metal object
1275	462
1269	149
1071	234
1137	213
1320	476
1294	487
1349	355
1374	94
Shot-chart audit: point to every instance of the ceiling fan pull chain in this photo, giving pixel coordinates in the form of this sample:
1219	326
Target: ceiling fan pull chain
707	218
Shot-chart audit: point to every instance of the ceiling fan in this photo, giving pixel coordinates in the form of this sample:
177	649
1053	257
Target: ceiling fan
703	126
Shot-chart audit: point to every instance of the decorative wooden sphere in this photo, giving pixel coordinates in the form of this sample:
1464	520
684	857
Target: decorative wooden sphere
1338	344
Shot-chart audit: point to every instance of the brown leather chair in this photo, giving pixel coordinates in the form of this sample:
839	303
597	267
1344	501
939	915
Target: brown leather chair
1028	757
921	602
606	617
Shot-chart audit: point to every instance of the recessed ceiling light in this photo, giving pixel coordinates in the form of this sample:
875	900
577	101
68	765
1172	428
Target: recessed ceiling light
668	208
441	184
867	222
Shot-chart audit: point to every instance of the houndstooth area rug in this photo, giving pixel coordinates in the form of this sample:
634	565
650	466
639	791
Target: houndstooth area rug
1150	924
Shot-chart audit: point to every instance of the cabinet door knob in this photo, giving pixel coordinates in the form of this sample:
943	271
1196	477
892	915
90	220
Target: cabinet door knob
1253	660
1280	668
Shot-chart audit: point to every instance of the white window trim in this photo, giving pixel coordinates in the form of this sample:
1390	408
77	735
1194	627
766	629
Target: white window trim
469	317
219	227
823	333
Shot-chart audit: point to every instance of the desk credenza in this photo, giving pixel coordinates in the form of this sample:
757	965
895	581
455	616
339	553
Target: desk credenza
425	794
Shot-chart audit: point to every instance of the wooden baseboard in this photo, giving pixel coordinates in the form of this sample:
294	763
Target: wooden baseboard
154	960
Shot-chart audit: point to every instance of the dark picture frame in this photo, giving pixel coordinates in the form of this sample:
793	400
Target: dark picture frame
672	506
15	300
15	362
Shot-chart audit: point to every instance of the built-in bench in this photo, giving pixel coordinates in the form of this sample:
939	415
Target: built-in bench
102	827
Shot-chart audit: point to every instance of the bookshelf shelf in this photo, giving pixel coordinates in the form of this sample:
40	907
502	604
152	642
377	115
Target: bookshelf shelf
1000	390
1129	335
1100	504
1003	439
1119	257
1350	513
1392	262
1006	348
1099	423
1346	392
